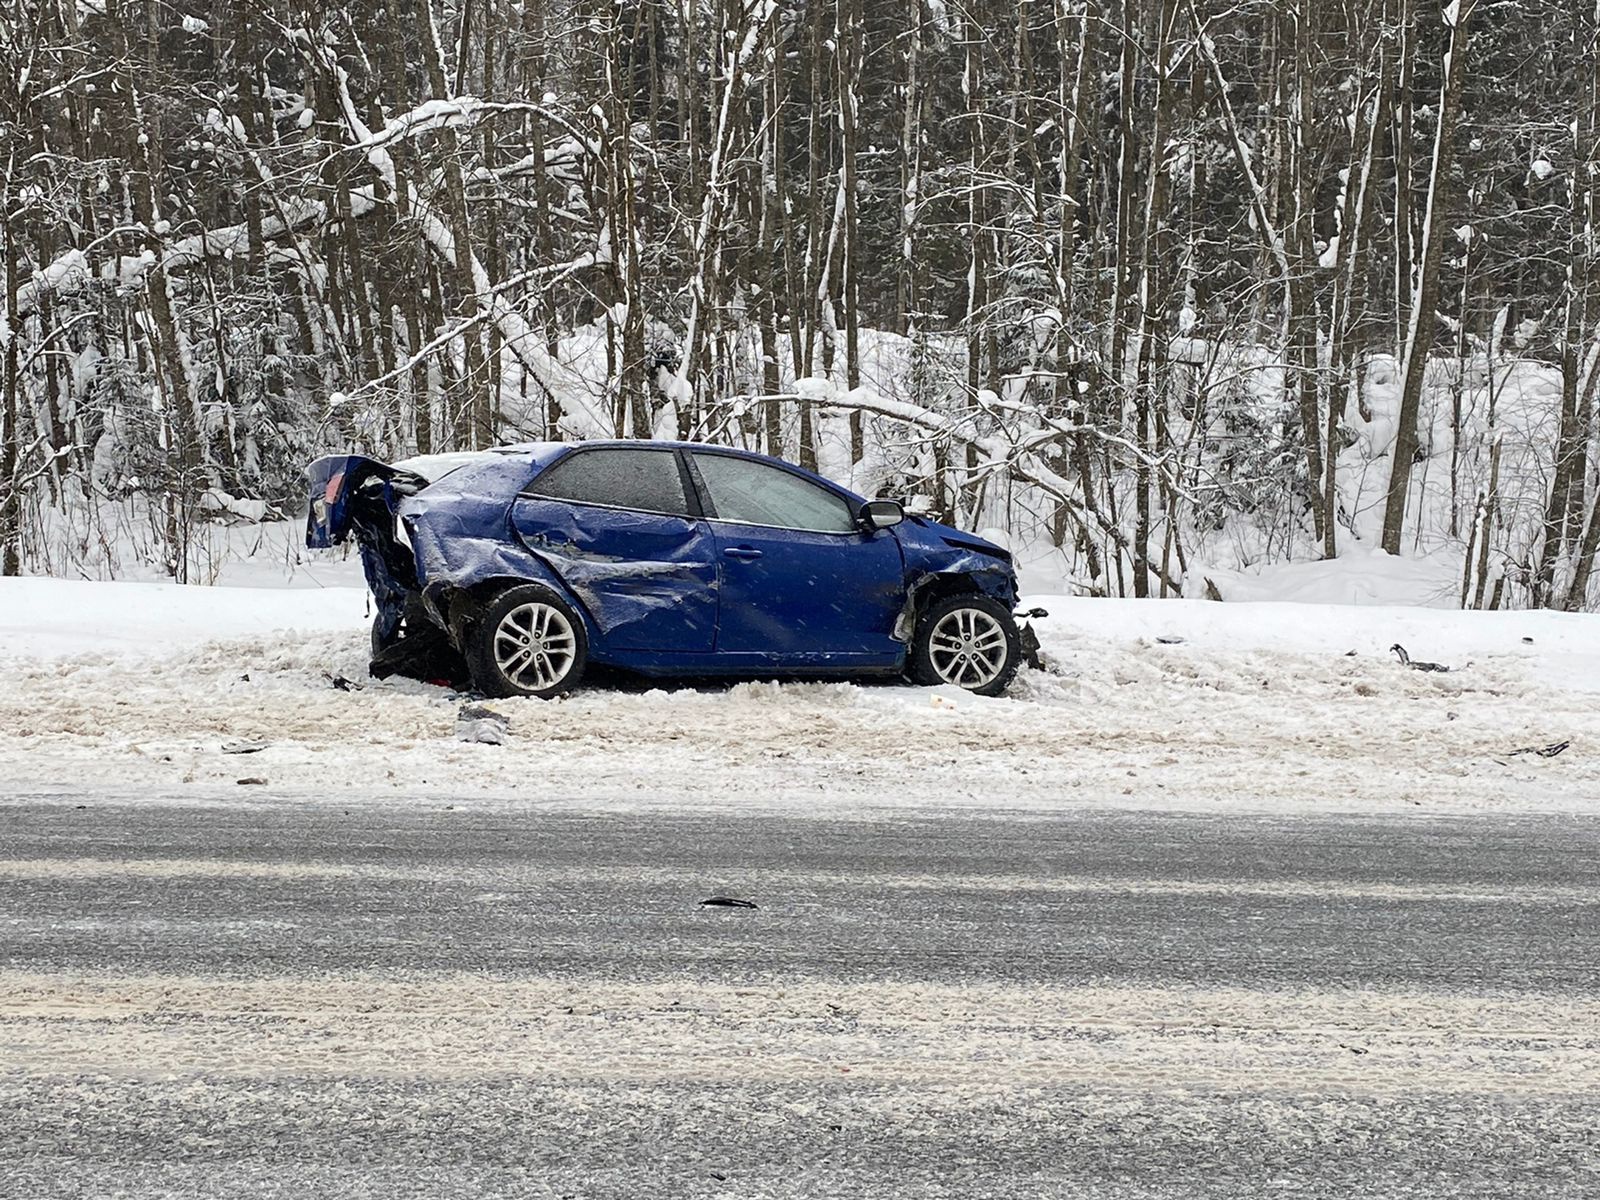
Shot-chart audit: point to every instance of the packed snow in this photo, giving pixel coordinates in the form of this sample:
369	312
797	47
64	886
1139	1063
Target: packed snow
1264	706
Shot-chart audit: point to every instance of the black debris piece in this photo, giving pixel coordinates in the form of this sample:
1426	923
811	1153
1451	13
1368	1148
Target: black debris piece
727	902
1406	661
343	684
1170	639
250	781
1550	751
244	746
1028	642
421	651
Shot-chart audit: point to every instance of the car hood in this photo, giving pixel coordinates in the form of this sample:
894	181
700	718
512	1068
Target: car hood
931	535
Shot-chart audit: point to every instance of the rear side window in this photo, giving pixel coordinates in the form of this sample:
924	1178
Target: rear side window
756	494
645	480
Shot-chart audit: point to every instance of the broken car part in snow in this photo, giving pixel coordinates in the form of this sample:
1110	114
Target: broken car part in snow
244	746
478	723
728	902
1406	661
518	567
1550	751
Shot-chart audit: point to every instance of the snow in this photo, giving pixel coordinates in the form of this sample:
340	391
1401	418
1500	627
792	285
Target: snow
60	619
1359	576
214	500
436	466
943	1043
1252	706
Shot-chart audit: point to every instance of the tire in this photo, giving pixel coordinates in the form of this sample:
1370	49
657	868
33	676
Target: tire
497	639
955	643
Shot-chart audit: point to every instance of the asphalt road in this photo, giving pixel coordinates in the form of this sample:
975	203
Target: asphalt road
421	1000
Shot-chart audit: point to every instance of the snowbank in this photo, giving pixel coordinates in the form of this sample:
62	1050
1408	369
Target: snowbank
1557	650
1356	577
135	688
46	619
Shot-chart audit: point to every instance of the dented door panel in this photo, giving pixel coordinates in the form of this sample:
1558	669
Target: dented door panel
648	581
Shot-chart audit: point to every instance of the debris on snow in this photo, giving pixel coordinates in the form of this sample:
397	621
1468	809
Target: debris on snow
244	746
1405	660
1550	751
728	902
481	724
341	683
125	687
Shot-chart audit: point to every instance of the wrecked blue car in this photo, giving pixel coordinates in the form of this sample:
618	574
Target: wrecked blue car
528	564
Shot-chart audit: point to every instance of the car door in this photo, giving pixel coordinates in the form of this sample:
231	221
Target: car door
802	582
621	528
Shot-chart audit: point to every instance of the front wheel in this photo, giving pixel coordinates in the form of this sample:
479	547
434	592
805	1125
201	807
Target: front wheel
526	642
970	641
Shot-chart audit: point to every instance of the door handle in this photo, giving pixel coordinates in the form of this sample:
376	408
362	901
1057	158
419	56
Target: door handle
744	552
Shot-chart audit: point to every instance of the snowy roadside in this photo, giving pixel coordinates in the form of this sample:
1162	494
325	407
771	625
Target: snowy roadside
134	688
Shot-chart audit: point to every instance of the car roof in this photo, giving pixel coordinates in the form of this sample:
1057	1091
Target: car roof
643	443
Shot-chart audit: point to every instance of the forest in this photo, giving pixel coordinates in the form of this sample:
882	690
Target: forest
1151	287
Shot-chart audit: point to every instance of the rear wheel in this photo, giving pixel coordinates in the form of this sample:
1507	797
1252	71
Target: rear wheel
526	642
968	640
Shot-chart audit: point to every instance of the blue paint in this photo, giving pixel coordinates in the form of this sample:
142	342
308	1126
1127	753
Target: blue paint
669	593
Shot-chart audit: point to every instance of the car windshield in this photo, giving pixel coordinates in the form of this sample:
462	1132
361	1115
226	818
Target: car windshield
757	494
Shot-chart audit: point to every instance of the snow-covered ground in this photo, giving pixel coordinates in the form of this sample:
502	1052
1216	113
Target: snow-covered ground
1261	706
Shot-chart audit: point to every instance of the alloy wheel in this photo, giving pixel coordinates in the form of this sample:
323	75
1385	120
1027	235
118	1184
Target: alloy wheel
534	646
968	648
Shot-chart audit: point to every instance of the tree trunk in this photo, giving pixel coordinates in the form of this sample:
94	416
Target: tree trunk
1419	335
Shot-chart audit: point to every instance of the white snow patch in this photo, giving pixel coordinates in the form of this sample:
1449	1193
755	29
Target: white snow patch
1145	704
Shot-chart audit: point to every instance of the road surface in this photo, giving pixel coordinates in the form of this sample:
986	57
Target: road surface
420	999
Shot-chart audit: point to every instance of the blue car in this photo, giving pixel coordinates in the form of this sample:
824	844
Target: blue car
528	564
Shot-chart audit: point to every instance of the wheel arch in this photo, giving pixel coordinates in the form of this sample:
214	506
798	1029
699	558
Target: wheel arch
455	604
930	588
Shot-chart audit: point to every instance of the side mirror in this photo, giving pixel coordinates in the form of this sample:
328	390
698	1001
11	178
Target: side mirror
880	514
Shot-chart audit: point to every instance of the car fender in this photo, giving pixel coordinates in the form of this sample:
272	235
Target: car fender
451	559
931	574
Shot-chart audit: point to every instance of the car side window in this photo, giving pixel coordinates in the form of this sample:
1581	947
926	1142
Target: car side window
644	480
757	494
